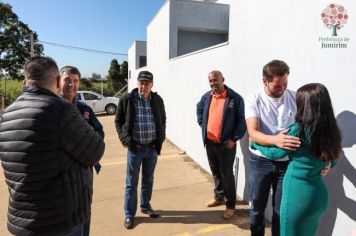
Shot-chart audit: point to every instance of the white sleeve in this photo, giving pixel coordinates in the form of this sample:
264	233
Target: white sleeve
251	107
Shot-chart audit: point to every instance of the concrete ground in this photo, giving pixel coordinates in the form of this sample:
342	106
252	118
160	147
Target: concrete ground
181	190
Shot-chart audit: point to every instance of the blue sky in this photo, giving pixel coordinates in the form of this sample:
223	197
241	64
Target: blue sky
106	25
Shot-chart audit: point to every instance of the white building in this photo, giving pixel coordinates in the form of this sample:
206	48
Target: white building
188	39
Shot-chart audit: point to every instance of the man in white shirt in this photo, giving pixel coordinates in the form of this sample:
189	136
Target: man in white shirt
269	112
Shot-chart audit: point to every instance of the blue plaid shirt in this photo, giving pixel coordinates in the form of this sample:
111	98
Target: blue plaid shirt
144	124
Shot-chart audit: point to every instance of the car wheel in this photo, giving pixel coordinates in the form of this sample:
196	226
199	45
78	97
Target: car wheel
110	109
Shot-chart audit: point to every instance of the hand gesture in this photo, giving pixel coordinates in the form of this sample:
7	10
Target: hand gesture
286	141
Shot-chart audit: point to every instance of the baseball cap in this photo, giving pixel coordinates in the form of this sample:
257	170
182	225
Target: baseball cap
145	75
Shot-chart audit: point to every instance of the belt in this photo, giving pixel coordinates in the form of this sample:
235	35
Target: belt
213	141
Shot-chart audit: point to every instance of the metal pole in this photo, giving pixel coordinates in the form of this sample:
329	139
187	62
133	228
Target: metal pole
122	89
5	88
102	88
32	45
236	170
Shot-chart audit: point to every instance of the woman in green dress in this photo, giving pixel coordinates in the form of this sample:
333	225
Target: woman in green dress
305	196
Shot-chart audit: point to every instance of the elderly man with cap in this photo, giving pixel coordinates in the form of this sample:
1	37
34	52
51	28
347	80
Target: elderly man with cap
141	124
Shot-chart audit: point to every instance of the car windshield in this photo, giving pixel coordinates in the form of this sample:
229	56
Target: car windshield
90	96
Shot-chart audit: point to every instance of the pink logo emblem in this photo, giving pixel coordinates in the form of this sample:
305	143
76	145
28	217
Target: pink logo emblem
231	104
334	17
86	115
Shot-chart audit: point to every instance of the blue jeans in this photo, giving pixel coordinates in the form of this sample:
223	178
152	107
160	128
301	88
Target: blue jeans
146	156
262	174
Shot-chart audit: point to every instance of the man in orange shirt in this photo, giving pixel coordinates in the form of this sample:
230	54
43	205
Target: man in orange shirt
220	114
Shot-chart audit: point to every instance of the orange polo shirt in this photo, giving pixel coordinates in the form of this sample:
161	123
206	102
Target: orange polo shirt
216	111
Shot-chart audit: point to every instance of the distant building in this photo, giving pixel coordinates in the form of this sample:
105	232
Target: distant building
96	76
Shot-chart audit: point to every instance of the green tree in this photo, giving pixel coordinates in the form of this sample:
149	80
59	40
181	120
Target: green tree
123	76
114	75
14	43
85	84
124	70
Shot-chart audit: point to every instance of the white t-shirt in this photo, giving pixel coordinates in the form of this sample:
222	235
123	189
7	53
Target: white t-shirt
274	114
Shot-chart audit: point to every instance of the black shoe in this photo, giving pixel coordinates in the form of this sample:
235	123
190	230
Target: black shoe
152	213
129	222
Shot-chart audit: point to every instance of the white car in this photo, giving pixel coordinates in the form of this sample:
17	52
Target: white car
98	102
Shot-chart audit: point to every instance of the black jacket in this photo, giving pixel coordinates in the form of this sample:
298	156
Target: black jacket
126	112
46	148
89	115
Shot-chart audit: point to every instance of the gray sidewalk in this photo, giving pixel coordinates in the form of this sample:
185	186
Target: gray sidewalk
181	190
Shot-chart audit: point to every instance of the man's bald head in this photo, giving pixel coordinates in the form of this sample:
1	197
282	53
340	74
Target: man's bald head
216	81
216	73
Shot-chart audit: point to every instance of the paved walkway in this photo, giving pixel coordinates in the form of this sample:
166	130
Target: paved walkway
181	191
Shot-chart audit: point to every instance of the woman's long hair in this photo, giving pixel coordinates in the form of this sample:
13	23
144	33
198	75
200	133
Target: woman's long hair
318	127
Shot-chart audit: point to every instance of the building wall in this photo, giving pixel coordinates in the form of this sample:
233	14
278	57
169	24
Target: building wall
197	16
260	31
291	31
138	48
131	61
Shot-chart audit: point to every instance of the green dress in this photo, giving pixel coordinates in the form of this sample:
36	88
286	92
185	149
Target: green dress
305	196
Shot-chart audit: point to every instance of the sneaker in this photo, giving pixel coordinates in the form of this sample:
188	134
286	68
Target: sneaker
149	211
228	213
215	203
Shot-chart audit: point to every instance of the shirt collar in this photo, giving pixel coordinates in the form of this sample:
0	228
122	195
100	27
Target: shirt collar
138	95
223	95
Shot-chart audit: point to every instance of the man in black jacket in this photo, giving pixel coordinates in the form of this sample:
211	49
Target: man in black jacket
141	124
70	81
46	149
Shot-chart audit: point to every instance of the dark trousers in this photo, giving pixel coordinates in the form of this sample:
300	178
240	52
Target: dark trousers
262	174
221	162
76	231
86	228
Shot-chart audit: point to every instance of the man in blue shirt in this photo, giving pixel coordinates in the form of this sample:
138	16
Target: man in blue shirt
141	124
